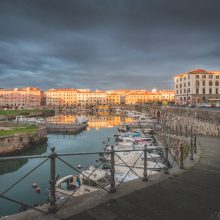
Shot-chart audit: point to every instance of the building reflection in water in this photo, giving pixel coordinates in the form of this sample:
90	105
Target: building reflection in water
101	120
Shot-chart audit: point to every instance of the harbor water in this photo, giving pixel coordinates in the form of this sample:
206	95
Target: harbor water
99	129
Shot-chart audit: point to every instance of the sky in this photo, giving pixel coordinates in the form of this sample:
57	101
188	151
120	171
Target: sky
106	44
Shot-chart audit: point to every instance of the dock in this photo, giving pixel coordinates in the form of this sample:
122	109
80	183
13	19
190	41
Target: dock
64	128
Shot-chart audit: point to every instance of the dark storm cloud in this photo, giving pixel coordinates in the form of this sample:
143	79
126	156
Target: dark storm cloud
106	44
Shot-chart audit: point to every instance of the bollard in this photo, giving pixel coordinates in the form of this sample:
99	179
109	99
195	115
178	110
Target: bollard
186	131
191	144
181	156
52	196
145	177
112	188
166	171
195	144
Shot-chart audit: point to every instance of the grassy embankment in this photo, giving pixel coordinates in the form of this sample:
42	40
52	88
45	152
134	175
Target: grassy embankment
17	112
25	112
18	130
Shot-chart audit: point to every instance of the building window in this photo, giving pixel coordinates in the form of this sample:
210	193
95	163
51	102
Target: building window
197	90
203	76
210	76
197	76
203	90
203	82
216	90
210	90
197	82
217	77
216	83
210	83
188	76
188	83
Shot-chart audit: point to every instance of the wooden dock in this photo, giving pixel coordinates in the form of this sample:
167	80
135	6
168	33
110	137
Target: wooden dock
65	128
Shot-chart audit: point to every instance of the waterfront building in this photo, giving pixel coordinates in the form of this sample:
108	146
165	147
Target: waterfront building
21	98
114	98
61	97
139	97
91	98
197	87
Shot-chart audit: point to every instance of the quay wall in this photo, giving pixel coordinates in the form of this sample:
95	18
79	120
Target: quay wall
17	143
202	121
173	143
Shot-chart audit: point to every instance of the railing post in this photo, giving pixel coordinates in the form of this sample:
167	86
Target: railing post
145	177
166	171
191	144
181	156
112	188
180	130
195	143
52	197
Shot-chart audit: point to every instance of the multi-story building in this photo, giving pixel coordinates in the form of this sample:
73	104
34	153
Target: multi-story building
167	95
137	97
114	98
61	97
197	87
90	98
21	98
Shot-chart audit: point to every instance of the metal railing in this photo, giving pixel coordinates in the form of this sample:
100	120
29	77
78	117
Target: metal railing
113	159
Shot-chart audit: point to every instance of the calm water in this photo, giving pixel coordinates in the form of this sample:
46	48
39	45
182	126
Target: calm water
100	127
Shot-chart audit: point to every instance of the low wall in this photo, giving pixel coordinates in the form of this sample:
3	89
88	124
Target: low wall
202	121
173	142
14	144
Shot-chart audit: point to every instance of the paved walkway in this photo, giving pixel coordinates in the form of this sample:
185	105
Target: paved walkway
190	196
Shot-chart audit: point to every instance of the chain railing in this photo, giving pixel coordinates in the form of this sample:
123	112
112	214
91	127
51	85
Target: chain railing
141	166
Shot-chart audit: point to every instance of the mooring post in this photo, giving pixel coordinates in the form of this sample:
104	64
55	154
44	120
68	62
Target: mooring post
145	176
195	144
52	197
166	171
181	156
191	144
112	188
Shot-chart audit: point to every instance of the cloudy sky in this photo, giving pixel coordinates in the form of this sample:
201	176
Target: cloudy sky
106	44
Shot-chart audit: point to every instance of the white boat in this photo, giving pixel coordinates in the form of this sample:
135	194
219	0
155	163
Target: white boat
80	120
22	118
143	119
89	181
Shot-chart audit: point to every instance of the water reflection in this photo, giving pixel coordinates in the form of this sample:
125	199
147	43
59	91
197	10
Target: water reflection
13	165
101	120
100	127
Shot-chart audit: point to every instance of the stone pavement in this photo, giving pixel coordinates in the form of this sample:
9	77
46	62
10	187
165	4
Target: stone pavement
193	195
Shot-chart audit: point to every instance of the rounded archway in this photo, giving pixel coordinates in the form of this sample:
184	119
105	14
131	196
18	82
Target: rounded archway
158	114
